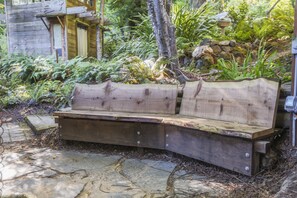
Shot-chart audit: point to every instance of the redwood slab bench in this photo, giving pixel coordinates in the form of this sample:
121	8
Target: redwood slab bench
221	123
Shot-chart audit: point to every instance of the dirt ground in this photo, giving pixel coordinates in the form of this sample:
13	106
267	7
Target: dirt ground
281	162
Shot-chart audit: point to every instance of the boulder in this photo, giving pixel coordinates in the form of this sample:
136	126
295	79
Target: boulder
201	50
224	43
216	49
225	55
199	64
226	48
208	60
232	43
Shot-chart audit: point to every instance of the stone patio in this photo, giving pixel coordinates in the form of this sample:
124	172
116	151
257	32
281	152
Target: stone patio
49	173
15	132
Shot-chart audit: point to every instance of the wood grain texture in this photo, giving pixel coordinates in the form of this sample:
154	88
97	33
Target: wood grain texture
227	152
251	102
29	36
118	97
211	126
110	132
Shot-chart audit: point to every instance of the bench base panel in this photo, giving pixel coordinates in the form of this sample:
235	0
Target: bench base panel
236	154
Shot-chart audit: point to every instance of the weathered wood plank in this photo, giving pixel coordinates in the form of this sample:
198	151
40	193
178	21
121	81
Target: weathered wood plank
117	97
76	10
262	147
109	132
252	102
211	126
231	153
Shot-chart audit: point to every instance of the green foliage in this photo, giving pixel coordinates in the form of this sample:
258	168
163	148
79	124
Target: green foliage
123	13
193	25
45	81
279	25
140	41
264	66
250	21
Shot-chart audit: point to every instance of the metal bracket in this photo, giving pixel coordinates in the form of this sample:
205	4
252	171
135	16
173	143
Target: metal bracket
45	23
291	104
138	132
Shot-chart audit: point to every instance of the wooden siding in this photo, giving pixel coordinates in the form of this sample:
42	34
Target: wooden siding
29	36
71	24
26	33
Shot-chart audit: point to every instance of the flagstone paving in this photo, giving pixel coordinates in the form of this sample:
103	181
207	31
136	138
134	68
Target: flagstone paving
50	173
15	132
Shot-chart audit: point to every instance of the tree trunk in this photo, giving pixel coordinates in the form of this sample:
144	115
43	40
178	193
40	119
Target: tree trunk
100	33
159	12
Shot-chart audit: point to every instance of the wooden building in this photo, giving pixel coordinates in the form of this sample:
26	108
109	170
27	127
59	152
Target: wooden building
45	27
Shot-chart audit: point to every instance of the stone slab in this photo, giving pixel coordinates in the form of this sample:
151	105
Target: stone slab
15	132
40	123
51	173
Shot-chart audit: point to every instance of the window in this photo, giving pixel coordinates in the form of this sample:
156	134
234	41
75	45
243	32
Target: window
57	38
82	40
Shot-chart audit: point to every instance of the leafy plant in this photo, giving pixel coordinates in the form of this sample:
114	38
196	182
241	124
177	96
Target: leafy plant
193	25
263	66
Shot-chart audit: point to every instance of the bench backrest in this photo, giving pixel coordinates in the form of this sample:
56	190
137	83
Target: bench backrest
252	102
118	97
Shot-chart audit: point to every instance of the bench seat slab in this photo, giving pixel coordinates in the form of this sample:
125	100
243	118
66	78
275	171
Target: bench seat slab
211	126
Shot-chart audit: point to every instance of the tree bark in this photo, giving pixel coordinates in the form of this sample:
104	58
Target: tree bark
164	30
100	32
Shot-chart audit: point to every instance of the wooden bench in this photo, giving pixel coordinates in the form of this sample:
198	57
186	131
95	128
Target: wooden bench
221	123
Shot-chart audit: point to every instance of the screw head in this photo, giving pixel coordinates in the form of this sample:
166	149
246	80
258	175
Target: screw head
247	155
138	142
247	168
138	132
167	135
167	145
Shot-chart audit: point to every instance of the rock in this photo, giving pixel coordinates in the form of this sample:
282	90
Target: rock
226	48
286	89
224	43
225	55
40	123
239	59
199	64
185	61
196	188
201	50
141	171
216	49
239	51
232	43
205	42
288	187
208	60
214	43
44	187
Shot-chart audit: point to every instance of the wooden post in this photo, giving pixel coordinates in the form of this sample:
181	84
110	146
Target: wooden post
100	32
